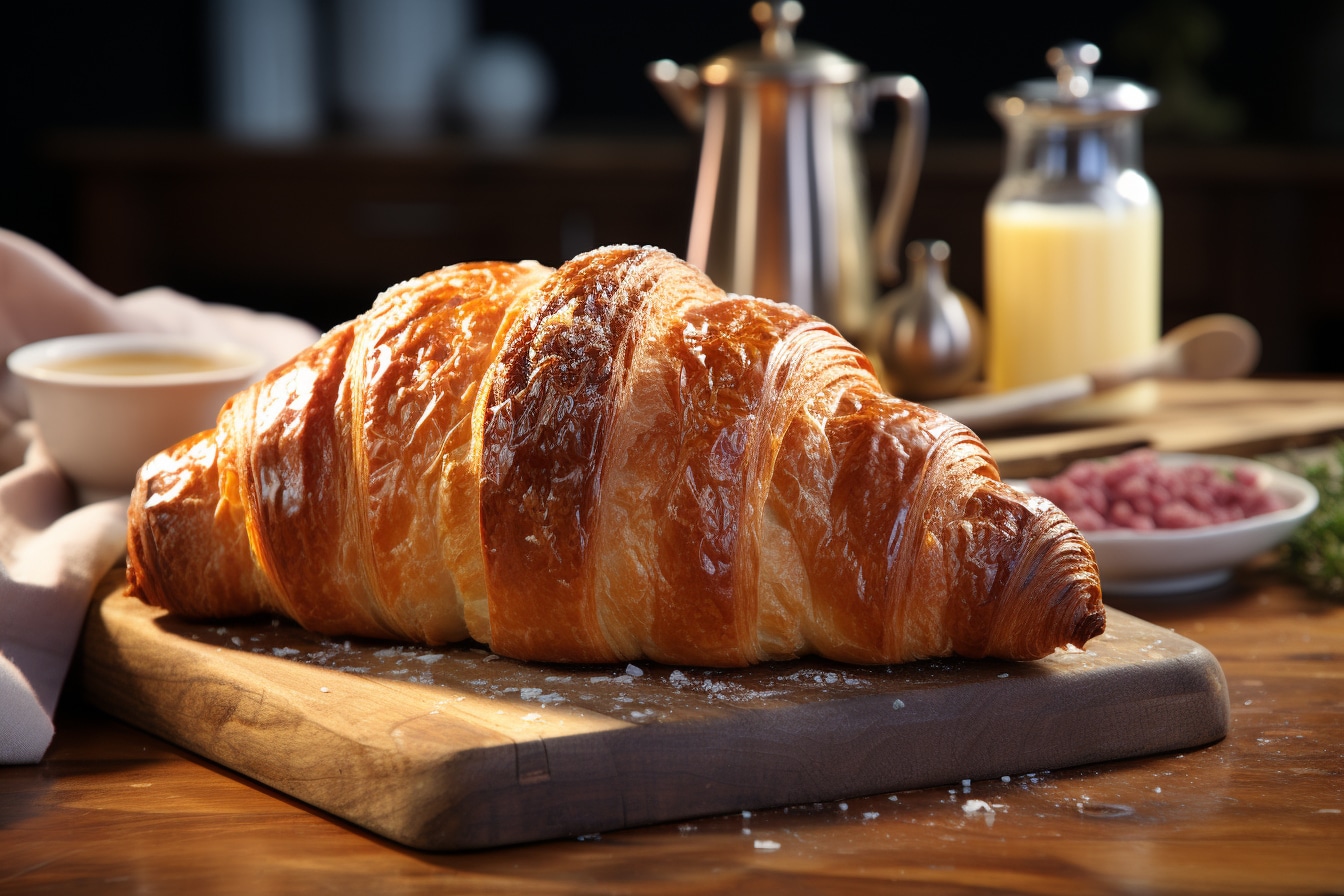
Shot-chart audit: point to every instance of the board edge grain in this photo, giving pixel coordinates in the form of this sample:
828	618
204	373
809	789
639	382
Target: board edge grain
450	783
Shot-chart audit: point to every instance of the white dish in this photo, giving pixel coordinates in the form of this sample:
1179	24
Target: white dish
1175	561
99	423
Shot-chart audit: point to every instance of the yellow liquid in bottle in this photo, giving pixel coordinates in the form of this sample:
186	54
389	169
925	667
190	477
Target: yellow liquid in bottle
1069	288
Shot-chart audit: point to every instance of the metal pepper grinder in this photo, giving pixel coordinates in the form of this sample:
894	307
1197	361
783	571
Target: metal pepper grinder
929	336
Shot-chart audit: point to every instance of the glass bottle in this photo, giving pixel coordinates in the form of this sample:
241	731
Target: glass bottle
1073	234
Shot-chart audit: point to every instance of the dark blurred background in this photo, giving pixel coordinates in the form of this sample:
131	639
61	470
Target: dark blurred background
121	151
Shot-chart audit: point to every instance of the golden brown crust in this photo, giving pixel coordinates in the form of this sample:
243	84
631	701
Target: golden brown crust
187	552
552	402
292	456
412	399
610	461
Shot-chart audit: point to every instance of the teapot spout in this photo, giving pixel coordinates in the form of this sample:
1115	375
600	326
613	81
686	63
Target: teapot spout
680	85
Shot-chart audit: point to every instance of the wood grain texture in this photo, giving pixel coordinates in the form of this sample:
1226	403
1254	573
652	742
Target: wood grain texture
114	810
1241	417
456	748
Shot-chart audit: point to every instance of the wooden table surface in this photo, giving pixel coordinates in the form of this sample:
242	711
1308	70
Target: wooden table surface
111	809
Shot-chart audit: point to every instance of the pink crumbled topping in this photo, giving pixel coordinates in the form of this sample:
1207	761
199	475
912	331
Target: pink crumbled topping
1133	491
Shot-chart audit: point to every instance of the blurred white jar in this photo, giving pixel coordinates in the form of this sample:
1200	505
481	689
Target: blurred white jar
392	58
264	59
504	88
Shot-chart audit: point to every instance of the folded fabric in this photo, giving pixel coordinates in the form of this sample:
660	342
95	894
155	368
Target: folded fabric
51	557
52	553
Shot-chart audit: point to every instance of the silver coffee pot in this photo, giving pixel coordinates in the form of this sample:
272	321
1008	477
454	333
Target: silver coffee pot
781	205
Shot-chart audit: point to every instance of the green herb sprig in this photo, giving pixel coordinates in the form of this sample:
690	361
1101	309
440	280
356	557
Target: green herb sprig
1314	555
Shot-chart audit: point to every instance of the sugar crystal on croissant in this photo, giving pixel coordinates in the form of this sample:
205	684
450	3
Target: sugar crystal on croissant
605	462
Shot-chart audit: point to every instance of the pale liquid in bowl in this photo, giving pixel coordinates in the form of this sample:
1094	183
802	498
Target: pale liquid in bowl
1070	288
139	363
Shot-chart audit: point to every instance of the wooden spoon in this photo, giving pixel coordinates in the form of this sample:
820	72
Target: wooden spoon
1216	346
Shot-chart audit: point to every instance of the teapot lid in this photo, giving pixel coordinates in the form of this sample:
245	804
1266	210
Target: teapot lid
1074	94
778	57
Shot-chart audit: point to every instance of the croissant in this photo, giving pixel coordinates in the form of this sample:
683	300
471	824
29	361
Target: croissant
610	461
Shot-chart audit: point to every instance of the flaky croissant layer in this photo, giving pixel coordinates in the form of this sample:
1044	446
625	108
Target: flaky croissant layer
605	462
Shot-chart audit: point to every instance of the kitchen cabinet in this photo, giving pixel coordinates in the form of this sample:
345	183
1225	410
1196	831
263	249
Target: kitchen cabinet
317	229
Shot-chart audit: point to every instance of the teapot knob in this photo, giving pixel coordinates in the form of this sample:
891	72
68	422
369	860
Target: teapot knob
777	21
1073	62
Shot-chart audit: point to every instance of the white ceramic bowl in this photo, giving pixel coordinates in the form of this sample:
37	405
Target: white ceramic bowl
1162	562
106	402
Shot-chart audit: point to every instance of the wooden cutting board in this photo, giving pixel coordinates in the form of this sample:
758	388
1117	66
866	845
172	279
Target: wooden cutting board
1240	417
456	748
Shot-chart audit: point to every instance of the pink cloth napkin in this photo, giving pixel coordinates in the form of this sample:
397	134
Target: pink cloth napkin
53	553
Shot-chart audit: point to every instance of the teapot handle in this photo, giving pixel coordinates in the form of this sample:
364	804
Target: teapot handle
907	158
